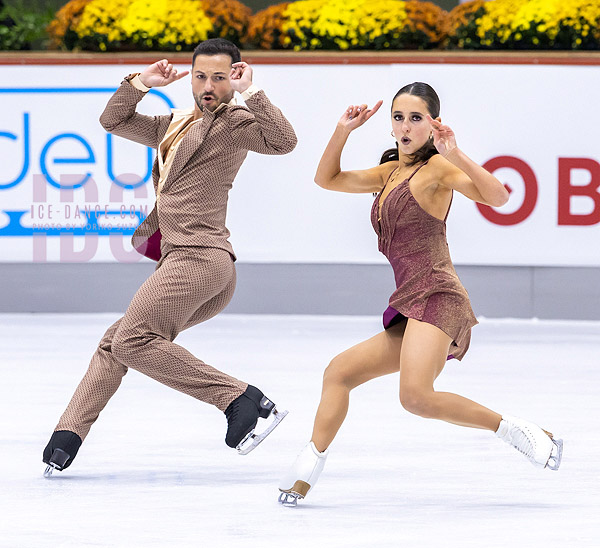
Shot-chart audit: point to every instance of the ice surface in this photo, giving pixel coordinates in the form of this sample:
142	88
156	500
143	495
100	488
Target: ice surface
155	471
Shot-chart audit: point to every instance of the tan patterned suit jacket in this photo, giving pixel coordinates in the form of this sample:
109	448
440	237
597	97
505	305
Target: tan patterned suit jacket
193	200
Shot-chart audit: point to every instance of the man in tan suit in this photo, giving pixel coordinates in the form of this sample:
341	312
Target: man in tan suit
199	152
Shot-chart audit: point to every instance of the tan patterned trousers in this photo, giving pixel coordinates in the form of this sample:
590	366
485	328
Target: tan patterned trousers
190	285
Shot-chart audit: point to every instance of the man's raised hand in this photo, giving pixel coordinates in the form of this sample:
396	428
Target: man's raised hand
240	76
160	74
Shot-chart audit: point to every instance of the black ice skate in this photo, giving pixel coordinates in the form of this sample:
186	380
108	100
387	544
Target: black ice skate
242	416
60	451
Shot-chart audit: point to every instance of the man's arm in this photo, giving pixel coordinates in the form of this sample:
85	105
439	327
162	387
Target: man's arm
264	129
119	116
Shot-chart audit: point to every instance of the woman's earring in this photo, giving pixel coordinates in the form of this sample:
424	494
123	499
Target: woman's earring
392	133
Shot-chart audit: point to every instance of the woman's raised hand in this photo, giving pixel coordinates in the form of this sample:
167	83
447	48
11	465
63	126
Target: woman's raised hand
160	74
356	115
443	137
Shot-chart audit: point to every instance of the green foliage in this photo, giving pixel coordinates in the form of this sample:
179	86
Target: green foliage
465	35
23	28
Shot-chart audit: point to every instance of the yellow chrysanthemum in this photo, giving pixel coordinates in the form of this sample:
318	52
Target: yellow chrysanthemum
149	24
538	19
103	17
315	24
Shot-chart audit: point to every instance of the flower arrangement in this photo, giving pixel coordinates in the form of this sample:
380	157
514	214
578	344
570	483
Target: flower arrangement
230	19
265	29
175	25
168	25
22	26
536	24
61	29
428	19
100	25
460	23
362	24
163	24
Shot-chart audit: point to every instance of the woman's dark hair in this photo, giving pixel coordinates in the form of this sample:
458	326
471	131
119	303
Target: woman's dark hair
217	46
428	94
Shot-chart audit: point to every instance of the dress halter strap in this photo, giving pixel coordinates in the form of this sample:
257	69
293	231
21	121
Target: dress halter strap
413	173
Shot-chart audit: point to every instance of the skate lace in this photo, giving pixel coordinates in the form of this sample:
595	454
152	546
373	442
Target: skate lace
522	442
232	412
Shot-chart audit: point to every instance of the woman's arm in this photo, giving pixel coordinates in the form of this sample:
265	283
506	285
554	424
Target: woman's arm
329	172
459	172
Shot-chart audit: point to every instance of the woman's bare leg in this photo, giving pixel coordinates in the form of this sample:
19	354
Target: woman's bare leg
423	356
419	350
377	356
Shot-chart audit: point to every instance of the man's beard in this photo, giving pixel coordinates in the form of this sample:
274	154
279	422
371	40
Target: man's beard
216	101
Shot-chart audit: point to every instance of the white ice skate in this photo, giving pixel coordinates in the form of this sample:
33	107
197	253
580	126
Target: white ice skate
536	444
303	475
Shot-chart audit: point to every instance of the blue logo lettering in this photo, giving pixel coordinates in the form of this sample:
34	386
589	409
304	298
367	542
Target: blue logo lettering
89	159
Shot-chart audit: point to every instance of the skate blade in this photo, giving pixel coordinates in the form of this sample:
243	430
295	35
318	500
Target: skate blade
556	456
289	499
252	440
48	471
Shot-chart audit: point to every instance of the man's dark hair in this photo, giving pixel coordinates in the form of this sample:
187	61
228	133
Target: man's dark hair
217	46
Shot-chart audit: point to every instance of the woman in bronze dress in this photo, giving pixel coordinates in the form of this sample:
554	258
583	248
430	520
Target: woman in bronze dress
429	317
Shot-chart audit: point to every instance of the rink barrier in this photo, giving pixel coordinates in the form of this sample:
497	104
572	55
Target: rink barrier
345	289
317	58
496	291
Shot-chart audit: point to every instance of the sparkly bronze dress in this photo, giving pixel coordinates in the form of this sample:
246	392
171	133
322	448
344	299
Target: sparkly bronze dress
427	286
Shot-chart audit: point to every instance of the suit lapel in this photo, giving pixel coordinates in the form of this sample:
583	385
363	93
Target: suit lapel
155	174
190	143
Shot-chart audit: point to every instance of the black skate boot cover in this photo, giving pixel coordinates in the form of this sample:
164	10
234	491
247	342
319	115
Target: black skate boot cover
243	413
62	449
